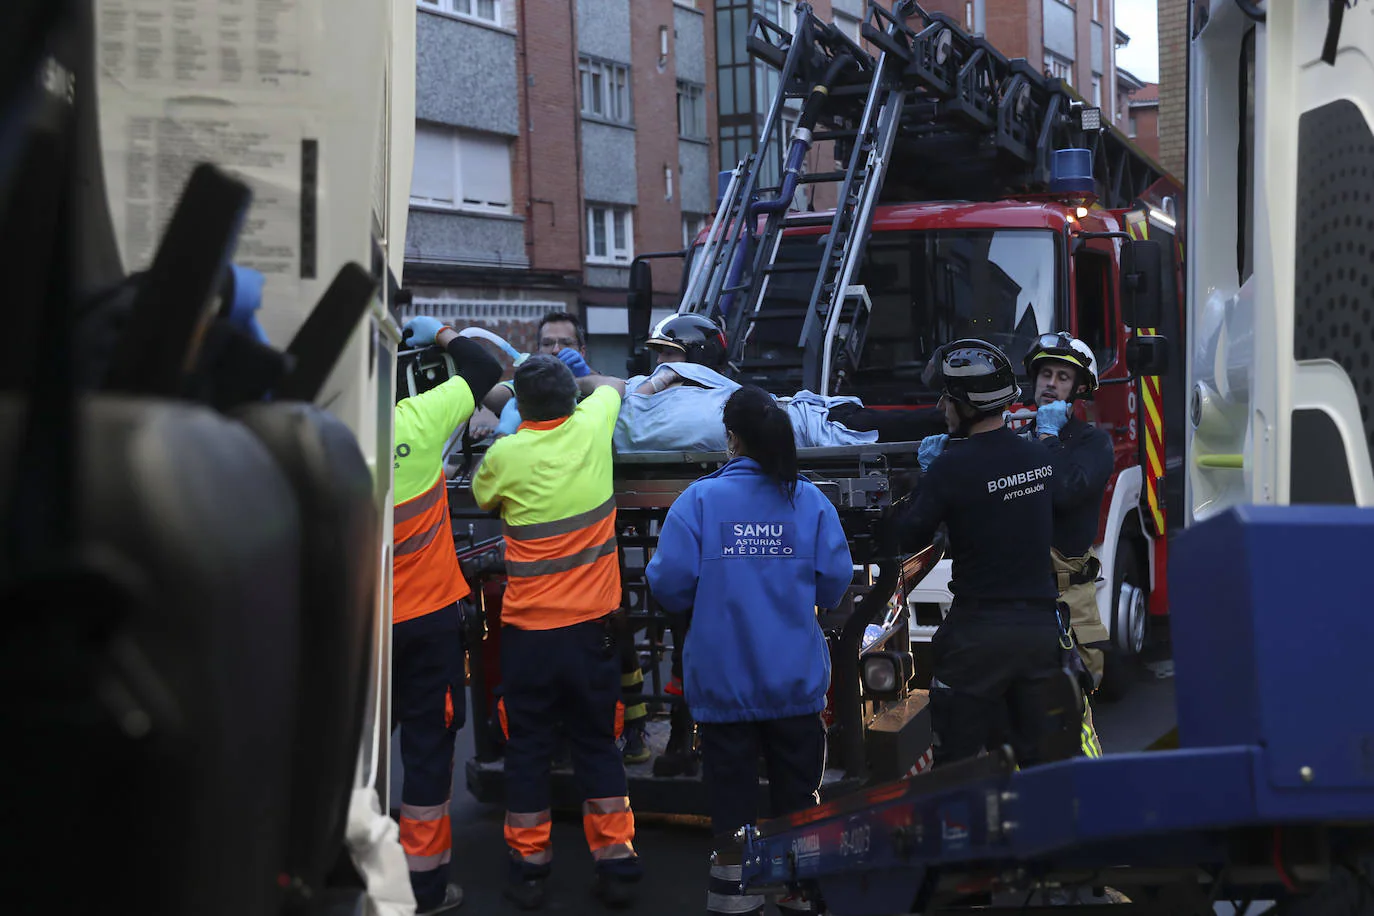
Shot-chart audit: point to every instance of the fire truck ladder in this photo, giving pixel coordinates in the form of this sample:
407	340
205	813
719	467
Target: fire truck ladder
956	118
824	69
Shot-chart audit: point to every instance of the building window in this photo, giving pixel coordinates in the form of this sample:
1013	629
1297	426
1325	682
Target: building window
1059	68
485	10
458	170
692	225
605	90
691	110
1097	10
610	234
1097	90
849	25
1131	127
783	12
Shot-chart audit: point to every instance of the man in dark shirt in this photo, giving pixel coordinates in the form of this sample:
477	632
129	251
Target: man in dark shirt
998	651
1063	369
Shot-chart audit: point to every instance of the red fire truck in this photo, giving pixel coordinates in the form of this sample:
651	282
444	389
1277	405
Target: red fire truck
976	198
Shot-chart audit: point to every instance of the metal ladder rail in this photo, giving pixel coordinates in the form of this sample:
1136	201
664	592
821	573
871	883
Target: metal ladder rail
704	265
872	147
802	42
736	219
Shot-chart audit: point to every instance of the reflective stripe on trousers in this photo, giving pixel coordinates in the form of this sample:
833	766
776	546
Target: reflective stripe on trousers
529	836
1091	746
610	827
723	893
426	836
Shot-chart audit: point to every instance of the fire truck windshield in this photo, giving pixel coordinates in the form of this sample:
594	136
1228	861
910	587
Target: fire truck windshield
927	287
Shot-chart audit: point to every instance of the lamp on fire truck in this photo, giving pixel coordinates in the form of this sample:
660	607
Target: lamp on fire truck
1071	176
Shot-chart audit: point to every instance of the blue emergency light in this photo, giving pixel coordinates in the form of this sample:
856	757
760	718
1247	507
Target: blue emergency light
1071	172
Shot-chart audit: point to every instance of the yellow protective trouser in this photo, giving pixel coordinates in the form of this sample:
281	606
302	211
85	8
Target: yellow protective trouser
1088	631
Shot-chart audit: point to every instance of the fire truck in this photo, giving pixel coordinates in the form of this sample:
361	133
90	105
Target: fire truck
974	197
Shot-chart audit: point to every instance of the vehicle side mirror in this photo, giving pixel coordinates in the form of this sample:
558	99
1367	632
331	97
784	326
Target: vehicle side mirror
639	312
641	299
1142	287
1147	356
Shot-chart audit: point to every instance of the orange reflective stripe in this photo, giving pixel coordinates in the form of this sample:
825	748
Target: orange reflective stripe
501	717
448	707
529	835
420	504
531	569
425	575
426	837
564	599
568	525
619	718
610	827
565	544
422	539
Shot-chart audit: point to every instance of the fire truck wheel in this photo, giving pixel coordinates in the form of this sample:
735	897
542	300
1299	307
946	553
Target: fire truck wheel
1128	624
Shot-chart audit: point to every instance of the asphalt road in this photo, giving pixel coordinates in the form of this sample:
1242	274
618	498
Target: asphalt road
675	850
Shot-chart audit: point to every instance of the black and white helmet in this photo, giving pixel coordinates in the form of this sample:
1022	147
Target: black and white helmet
695	336
974	373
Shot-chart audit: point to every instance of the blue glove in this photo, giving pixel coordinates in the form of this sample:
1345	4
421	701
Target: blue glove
510	419
419	332
574	361
247	284
931	447
1050	419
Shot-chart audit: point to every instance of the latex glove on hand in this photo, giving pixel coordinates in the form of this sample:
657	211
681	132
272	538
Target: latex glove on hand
1050	418
419	332
931	447
574	361
510	419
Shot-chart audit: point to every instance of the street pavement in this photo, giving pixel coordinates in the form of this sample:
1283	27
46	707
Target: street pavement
674	850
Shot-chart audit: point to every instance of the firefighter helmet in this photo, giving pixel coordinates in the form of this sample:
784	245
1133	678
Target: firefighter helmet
1067	349
974	373
697	337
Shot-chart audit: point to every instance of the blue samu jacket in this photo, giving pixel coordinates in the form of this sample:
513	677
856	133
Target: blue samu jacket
751	569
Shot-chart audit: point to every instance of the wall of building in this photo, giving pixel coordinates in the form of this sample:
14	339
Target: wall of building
549	159
1144	127
1173	85
468	83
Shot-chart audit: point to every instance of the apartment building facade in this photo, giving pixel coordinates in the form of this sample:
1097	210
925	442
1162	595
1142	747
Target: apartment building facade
1072	40
555	140
1143	119
1173	86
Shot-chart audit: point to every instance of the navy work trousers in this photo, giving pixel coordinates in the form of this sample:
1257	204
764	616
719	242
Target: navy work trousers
793	752
427	706
565	680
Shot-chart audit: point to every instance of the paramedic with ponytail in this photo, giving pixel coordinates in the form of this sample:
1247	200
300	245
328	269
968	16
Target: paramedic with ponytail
748	554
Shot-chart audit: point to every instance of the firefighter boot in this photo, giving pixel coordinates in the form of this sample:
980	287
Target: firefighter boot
679	757
636	744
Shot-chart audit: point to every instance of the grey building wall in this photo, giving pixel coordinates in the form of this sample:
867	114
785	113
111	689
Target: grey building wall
465	75
698	184
690	48
603	29
437	237
1060	29
1098	67
608	277
608	163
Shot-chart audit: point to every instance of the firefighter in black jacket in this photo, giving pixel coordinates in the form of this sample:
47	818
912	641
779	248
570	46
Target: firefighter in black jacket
998	652
1062	369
